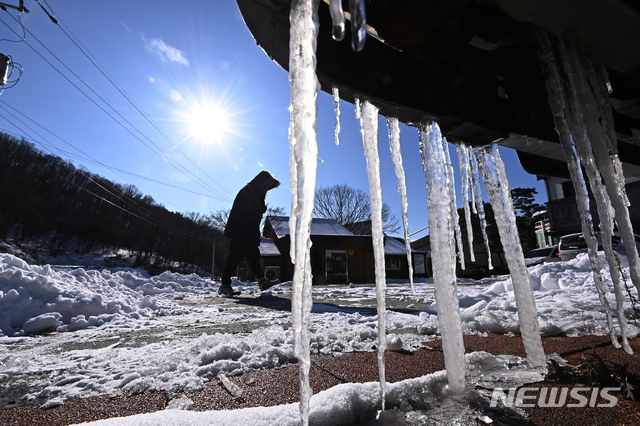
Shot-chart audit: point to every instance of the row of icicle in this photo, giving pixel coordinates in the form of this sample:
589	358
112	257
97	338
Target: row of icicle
443	215
584	121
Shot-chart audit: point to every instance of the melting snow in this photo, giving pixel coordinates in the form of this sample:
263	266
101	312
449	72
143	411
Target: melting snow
123	330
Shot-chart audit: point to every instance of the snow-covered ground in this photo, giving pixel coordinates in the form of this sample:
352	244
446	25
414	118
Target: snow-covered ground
72	332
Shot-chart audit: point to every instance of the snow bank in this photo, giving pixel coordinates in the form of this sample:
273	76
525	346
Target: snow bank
565	295
125	331
36	299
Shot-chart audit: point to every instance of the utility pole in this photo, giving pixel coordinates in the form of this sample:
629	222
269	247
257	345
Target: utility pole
6	63
213	260
20	8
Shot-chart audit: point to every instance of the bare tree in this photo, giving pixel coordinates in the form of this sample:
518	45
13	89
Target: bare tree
351	207
218	219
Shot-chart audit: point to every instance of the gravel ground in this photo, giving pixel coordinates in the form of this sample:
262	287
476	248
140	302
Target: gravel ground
590	362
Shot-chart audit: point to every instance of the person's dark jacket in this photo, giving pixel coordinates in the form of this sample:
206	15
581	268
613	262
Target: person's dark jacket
248	208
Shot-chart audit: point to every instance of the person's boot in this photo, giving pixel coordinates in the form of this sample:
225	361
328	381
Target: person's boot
266	283
227	290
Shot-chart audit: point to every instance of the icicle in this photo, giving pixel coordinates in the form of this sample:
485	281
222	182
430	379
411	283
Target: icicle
603	149
497	184
358	24
463	160
570	124
370	141
336	102
304	158
337	17
560	108
453	203
357	105
396	157
443	253
295	206
589	115
598	81
477	203
472	173
231	387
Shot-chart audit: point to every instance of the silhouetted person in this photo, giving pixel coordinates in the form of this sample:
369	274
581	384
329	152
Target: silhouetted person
243	227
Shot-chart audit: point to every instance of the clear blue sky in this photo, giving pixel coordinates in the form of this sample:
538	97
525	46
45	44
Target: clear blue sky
170	60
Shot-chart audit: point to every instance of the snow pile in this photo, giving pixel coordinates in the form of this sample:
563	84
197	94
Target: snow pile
36	299
565	295
122	330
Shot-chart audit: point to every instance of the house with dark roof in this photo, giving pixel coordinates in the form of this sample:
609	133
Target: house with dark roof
338	256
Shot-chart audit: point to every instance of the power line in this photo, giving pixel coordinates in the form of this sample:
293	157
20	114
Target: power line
117	194
419	230
111	80
134	205
23	30
168	226
128	98
183	234
198	180
87	157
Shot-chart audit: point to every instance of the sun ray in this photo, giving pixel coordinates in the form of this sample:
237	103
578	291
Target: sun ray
207	123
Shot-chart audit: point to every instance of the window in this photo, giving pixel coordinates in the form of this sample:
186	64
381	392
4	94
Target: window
540	252
418	264
392	262
336	266
572	242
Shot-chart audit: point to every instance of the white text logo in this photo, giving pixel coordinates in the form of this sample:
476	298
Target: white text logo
553	397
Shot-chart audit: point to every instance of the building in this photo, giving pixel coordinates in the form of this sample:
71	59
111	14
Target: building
562	216
477	269
338	256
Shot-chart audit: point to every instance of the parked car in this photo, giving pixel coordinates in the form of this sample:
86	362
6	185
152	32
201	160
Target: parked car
573	244
542	255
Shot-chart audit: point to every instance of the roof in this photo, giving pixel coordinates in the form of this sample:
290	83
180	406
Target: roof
324	227
394	247
268	248
280	226
423	243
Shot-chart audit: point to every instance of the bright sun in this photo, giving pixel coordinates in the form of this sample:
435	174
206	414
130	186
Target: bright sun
207	123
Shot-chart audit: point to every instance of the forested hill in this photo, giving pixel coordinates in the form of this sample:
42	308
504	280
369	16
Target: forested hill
47	202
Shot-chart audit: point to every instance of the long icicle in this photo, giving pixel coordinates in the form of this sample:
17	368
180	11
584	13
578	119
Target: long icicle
479	207
562	115
587	118
441	231
369	122
605	154
453	204
304	157
396	157
497	184
463	159
336	101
